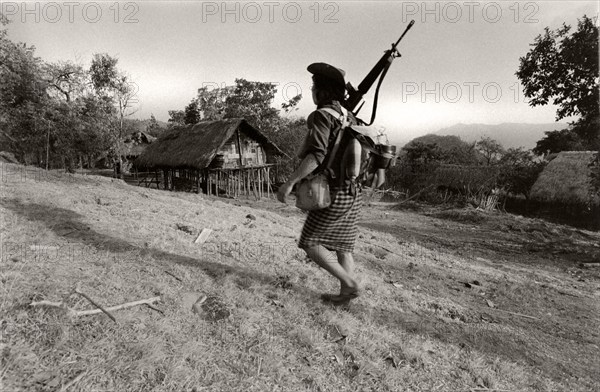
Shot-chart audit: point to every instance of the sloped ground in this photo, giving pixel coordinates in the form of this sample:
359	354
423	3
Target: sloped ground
454	301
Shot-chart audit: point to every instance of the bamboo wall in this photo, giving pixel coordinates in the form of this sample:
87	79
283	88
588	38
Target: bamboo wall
252	152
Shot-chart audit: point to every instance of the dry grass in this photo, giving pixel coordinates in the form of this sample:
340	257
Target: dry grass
566	179
262	326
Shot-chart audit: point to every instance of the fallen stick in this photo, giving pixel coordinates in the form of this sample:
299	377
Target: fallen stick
148	302
173	275
155	308
84	295
119	307
49	303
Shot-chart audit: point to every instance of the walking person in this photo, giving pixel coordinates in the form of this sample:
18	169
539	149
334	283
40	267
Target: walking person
332	229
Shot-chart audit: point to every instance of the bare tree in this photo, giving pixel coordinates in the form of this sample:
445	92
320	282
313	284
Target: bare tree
490	149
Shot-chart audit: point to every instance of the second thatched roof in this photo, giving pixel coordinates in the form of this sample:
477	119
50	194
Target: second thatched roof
567	179
195	146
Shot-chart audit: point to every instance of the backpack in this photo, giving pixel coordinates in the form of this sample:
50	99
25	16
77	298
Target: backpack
366	159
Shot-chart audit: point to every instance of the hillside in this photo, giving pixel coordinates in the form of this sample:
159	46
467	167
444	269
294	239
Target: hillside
454	300
510	135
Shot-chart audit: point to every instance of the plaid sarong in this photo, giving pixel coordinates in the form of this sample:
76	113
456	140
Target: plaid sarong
334	227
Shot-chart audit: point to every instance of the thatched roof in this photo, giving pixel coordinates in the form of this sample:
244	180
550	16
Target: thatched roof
195	146
137	142
566	179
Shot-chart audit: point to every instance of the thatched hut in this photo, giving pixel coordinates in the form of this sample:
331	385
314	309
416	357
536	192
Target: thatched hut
567	180
226	156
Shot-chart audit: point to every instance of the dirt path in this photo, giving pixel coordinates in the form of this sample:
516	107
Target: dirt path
497	275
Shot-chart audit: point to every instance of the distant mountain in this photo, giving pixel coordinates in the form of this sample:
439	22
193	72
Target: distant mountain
510	135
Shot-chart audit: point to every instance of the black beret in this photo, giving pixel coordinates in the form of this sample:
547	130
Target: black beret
329	71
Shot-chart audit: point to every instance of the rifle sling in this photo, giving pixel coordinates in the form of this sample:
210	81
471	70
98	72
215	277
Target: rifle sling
331	154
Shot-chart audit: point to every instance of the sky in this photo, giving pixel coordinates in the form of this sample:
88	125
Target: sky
457	63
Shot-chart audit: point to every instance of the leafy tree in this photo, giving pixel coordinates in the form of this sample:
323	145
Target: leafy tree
252	101
75	133
249	100
192	113
104	73
112	85
93	112
66	80
59	110
292	104
562	68
153	127
490	149
22	97
422	153
444	149
520	170
557	141
288	136
211	101
176	117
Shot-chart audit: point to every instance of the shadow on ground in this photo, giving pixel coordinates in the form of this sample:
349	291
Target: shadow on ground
493	342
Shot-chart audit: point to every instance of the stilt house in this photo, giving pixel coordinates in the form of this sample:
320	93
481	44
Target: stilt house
226	157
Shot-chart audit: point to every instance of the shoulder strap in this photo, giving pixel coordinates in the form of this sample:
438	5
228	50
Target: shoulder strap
342	117
344	120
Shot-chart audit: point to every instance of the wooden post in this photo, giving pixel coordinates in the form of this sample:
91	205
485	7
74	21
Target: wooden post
264	176
237	132
197	173
269	189
260	184
257	182
253	181
262	181
267	169
219	179
256	177
248	182
259	174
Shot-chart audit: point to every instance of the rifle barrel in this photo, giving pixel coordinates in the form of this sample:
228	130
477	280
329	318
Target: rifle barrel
356	95
412	22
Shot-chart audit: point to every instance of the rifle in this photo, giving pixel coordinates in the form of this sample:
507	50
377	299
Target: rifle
355	96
